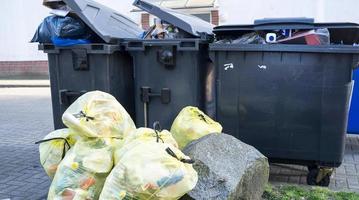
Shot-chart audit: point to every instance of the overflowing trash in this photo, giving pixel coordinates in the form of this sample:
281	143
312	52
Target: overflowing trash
162	30
311	37
101	155
305	37
99	123
70	24
250	38
59	30
192	124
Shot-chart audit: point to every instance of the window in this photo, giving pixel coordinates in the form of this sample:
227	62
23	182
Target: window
204	16
184	3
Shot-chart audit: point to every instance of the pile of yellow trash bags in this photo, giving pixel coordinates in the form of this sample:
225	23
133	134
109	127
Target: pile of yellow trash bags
101	154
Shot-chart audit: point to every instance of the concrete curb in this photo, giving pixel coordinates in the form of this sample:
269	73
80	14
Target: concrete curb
24	83
24	86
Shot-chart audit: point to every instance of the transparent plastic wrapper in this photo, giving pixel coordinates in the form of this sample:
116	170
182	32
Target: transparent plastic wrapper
192	124
98	115
53	149
224	41
250	38
150	170
81	175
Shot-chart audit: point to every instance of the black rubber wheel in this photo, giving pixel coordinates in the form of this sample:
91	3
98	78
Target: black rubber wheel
312	178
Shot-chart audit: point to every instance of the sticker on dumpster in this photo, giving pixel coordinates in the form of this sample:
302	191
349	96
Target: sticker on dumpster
228	66
262	66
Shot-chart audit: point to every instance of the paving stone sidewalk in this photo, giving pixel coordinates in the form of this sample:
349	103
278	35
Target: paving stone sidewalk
25	117
345	178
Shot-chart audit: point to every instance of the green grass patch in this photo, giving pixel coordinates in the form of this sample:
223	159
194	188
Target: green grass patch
303	193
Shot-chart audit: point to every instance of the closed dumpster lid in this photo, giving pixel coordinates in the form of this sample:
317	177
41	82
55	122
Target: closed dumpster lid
345	32
188	23
104	21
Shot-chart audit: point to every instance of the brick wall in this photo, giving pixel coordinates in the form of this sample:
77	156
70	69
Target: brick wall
145	21
215	17
23	68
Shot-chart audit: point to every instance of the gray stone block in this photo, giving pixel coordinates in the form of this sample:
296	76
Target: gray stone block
227	169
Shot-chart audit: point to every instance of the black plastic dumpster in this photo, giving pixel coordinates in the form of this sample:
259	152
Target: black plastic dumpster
81	68
289	101
171	73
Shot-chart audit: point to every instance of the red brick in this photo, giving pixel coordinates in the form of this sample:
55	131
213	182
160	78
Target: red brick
215	17
23	67
145	21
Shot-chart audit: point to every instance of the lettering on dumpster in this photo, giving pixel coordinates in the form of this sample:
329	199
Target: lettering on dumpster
228	66
262	67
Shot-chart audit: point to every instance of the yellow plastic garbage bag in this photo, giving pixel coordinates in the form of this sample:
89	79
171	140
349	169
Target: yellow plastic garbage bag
53	149
147	134
192	124
82	173
149	170
98	114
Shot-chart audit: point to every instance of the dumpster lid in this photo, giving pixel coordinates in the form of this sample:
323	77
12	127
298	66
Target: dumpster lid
340	32
285	23
190	24
300	20
104	21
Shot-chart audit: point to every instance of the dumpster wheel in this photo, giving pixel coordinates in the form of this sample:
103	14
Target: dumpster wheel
319	176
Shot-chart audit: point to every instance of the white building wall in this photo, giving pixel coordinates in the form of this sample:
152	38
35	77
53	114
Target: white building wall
18	22
20	18
245	12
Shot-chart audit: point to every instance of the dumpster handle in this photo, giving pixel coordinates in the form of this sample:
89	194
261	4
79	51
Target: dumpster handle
188	46
80	60
66	94
135	45
48	48
147	94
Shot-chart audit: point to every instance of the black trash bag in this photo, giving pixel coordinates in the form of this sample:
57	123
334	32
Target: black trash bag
54	4
62	27
250	38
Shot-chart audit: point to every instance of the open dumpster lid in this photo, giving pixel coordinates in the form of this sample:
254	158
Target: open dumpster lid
104	21
188	23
